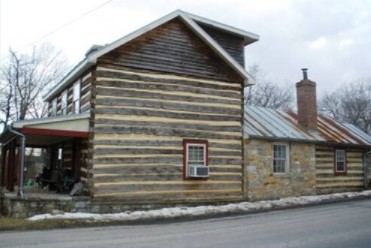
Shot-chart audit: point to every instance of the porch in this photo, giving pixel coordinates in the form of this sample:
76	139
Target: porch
41	161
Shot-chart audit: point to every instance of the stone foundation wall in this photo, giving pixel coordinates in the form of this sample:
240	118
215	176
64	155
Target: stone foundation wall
15	207
58	204
262	184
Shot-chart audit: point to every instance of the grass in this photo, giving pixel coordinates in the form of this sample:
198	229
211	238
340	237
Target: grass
15	224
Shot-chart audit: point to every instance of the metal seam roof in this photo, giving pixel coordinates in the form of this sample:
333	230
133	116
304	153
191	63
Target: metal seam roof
260	122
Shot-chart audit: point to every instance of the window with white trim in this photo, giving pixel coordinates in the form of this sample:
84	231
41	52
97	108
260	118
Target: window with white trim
76	97
64	102
280	158
54	107
340	161
195	156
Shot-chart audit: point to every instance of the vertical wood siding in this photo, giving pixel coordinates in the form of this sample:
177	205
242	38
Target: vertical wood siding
233	44
140	122
327	181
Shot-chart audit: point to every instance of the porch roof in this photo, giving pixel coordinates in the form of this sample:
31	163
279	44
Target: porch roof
48	131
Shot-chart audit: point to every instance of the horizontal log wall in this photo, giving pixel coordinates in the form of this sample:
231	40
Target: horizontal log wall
327	181
140	121
85	158
173	48
67	155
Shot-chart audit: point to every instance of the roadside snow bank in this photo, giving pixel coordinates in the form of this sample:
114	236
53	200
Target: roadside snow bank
206	210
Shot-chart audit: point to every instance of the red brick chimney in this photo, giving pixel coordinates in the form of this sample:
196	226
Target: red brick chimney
307	102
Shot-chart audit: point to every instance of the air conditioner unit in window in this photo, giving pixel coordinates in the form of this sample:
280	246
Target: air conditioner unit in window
198	171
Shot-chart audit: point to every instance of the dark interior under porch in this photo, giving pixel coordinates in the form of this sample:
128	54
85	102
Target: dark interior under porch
48	169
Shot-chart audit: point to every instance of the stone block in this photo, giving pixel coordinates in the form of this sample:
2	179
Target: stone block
262	184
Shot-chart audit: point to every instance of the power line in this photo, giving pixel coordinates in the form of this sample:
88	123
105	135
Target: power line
63	26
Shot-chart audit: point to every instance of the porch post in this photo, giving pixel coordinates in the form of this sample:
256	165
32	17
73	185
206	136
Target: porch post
76	158
11	164
2	170
22	154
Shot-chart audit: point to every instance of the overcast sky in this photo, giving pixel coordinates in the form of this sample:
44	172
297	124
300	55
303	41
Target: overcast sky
330	37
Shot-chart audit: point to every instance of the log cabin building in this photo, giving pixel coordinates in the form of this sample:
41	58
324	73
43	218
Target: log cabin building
153	118
157	118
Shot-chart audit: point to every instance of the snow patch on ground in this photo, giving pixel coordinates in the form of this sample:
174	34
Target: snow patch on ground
205	210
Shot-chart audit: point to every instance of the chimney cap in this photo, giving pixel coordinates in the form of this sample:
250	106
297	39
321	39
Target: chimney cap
305	73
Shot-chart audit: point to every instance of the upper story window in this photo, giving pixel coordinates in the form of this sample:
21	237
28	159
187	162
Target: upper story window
76	97
54	107
195	159
280	158
340	161
64	102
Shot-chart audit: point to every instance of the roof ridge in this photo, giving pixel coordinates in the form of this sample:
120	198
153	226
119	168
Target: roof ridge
187	18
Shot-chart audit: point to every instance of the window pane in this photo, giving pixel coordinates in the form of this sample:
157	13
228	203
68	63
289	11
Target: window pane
340	166
64	103
196	154
279	158
54	107
340	160
76	98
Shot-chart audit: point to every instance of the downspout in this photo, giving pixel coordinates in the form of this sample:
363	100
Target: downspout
365	168
22	155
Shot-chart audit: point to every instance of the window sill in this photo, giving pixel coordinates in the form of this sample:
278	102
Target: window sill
339	174
281	174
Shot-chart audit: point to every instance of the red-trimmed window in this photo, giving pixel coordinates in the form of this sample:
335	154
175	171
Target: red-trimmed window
340	162
195	159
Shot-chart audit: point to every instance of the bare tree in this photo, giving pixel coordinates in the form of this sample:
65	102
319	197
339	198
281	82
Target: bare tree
266	93
24	78
350	103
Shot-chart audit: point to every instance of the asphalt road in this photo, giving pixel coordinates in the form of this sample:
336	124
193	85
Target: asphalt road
335	225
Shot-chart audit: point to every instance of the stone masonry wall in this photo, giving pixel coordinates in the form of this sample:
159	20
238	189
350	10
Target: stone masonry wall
24	208
262	184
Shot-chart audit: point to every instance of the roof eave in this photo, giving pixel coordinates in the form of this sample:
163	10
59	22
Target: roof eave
248	36
189	19
248	79
70	77
21	124
315	142
136	34
92	59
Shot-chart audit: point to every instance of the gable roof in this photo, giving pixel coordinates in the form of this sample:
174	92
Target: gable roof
265	123
191	21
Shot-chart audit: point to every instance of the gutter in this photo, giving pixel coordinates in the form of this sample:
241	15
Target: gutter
365	168
22	155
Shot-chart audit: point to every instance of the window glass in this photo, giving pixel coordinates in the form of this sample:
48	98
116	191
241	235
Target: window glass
340	162
60	153
54	107
196	154
280	158
76	98
64	102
